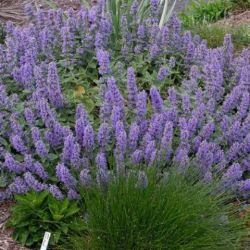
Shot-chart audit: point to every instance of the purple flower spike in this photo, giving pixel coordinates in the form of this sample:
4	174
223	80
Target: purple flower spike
103	61
116	96
41	149
18	186
68	40
33	183
54	86
156	100
166	141
103	135
88	138
233	174
75	157
103	175
186	104
182	159
29	116
116	116
85	177
12	165
132	87
73	195
233	152
134	132
243	188
18	144
244	106
68	147
65	176
150	152
137	157
81	114
162	74
121	138
56	192
40	171
141	105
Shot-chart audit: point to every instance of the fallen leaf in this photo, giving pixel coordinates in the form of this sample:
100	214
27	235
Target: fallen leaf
80	90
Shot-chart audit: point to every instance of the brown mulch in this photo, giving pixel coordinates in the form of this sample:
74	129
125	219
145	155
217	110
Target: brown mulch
14	10
6	242
237	19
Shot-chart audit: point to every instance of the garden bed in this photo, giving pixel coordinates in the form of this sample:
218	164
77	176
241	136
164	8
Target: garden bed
121	101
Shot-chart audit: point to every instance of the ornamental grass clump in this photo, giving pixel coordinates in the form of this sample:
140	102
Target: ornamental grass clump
158	213
51	141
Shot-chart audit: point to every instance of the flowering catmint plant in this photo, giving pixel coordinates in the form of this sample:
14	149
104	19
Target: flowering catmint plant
48	143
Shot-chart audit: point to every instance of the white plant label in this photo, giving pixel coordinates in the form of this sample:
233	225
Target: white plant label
45	243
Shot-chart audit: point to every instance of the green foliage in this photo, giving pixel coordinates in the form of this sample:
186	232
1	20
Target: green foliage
34	213
214	34
80	84
176	213
200	11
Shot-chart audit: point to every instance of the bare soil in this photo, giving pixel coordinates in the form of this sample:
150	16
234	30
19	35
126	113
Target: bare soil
14	10
242	18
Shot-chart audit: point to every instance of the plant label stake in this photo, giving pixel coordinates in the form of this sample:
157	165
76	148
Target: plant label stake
45	241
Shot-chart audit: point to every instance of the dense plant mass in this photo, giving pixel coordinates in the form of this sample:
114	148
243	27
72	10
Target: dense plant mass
172	214
204	122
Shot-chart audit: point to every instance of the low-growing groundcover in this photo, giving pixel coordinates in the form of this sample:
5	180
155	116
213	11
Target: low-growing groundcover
159	213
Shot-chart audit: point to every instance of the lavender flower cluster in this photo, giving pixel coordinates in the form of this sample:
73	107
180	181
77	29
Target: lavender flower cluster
203	124
32	53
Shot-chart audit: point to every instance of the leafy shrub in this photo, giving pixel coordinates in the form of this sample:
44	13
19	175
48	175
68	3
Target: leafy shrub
173	214
198	12
37	213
